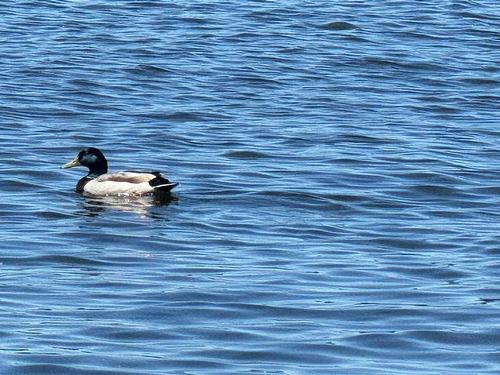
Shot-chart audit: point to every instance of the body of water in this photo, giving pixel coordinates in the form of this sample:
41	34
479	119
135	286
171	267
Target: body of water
339	187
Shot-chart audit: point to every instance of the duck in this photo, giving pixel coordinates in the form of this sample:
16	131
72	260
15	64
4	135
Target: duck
98	182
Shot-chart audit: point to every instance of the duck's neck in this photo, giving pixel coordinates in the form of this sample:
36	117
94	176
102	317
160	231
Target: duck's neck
98	170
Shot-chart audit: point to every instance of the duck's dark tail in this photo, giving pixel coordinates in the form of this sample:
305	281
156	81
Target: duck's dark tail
160	183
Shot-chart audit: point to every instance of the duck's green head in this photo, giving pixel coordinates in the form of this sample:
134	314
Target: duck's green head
92	158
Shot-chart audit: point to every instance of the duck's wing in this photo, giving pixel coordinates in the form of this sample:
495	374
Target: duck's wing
157	182
155	173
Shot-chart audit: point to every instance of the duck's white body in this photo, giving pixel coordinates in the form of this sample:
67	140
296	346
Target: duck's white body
123	183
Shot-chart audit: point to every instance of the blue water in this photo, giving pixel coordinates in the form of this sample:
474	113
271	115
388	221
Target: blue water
338	206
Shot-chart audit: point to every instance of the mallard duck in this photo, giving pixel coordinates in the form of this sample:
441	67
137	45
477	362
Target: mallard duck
99	182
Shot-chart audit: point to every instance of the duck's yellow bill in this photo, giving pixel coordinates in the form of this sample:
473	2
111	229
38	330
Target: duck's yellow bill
73	163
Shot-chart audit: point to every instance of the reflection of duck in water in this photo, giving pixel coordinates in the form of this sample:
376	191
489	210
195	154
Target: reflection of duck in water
98	182
144	206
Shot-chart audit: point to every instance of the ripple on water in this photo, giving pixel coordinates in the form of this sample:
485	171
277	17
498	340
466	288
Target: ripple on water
338	26
246	155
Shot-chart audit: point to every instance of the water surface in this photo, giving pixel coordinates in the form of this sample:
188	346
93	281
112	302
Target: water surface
338	202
